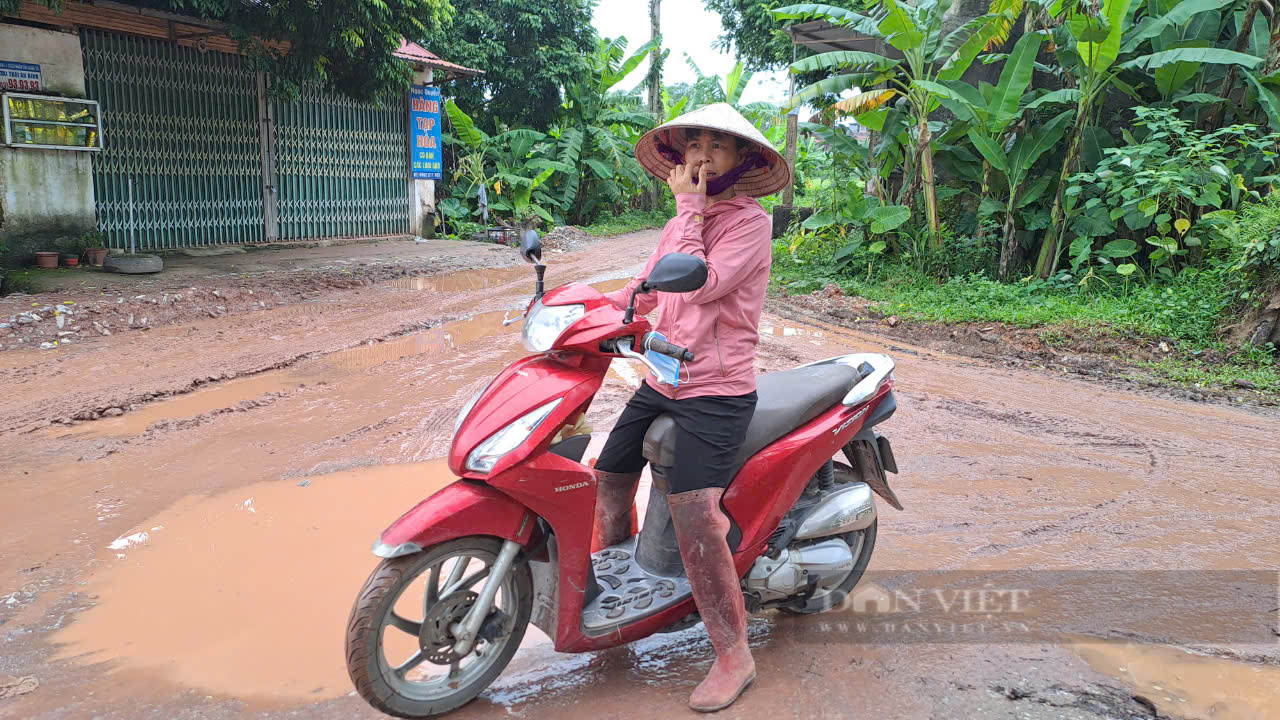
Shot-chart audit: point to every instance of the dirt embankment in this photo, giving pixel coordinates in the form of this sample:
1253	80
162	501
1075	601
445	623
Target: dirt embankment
83	304
1098	352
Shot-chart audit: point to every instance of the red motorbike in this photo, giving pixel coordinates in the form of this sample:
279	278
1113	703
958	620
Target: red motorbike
509	543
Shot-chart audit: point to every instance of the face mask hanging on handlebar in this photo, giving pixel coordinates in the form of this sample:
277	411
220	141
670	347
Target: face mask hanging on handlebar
668	368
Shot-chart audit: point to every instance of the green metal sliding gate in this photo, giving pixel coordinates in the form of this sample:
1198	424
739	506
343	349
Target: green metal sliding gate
341	167
183	126
214	160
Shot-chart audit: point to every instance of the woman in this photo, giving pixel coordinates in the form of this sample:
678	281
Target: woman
716	163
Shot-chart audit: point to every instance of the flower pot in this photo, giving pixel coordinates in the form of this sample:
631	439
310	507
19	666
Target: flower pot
47	259
70	260
96	256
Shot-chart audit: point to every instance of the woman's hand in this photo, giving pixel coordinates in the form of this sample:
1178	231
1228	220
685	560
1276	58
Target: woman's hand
680	180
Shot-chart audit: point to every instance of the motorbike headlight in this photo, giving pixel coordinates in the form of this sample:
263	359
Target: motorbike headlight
484	457
466	410
545	323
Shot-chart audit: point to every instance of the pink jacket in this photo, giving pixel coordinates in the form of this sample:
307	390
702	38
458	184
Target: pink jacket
719	322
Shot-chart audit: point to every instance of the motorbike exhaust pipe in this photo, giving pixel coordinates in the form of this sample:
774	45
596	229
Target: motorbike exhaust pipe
845	510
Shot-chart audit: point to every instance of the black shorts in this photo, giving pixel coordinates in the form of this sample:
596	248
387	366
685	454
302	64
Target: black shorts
710	431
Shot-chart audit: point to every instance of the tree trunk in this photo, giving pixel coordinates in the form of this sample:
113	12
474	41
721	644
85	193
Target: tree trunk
1010	242
910	184
655	95
926	175
1048	260
981	232
1242	43
1259	326
793	137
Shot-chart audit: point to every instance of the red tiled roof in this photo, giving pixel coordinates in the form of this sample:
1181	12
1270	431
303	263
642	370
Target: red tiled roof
416	53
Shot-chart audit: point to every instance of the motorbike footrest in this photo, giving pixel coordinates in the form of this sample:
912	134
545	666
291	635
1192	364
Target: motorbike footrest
629	592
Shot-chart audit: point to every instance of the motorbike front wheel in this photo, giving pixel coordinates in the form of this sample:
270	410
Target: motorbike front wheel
399	643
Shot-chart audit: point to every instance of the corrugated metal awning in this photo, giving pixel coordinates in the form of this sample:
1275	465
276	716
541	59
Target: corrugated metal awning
821	36
415	53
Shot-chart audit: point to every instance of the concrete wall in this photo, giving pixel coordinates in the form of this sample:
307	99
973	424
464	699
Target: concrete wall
46	196
57	54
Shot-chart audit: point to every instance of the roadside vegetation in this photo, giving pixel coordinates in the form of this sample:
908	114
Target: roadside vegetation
1106	166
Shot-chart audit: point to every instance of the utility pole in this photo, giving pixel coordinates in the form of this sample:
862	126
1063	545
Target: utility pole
655	94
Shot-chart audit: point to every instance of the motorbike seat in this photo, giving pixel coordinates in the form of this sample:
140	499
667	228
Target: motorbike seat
785	400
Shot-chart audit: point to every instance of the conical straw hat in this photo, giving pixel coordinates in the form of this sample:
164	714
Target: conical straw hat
722	117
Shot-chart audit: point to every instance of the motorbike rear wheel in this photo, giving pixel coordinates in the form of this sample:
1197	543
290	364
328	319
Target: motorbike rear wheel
861	543
383	620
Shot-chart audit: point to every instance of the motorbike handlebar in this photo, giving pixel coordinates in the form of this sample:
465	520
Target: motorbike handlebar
666	348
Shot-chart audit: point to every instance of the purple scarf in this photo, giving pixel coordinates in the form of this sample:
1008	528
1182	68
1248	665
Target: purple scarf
720	183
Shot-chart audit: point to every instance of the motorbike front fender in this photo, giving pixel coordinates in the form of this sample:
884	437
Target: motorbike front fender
462	508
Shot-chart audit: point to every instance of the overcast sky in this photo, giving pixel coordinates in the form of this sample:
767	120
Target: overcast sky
687	27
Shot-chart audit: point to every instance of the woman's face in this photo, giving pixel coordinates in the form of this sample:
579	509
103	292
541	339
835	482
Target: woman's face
718	151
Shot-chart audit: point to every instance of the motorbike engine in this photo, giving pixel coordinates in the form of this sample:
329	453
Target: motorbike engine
826	563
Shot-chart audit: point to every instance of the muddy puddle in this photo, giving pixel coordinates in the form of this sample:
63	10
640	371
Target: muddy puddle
227	394
439	342
246	592
781	331
1183	684
465	280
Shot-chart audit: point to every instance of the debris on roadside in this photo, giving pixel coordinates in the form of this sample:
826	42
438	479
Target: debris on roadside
566	238
11	686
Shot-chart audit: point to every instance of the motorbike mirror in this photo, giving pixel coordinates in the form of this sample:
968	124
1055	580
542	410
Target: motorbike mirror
677	273
531	247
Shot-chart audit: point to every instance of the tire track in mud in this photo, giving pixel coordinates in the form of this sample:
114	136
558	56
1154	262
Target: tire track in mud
1003	472
378	313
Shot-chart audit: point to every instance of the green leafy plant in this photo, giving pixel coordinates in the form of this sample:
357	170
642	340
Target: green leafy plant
598	137
1157	189
990	113
928	57
509	166
1252	233
1099	46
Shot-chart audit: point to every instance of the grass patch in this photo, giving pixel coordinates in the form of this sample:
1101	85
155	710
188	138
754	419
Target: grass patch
23	281
1262	376
631	221
1185	310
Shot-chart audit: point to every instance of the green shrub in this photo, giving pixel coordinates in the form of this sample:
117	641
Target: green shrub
1186	309
1134	213
632	220
1256	235
23	281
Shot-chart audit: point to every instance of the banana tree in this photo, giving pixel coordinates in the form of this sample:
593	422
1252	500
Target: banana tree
928	56
509	165
990	112
708	89
1088	44
594	141
1015	166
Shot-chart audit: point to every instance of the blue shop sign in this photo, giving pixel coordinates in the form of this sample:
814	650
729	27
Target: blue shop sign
424	137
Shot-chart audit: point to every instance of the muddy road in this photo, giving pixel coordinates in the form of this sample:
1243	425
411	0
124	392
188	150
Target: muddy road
193	552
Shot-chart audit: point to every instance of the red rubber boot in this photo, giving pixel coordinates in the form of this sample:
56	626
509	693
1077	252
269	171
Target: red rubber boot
615	516
701	528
